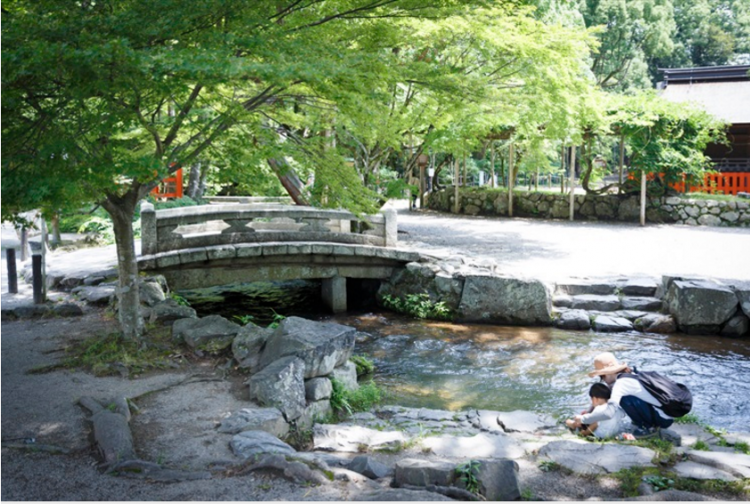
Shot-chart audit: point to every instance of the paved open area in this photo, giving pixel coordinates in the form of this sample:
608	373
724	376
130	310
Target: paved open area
554	250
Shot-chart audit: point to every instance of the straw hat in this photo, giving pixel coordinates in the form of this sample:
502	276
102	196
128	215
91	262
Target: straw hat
606	363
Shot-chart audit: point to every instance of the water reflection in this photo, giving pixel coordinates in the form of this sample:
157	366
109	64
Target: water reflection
450	366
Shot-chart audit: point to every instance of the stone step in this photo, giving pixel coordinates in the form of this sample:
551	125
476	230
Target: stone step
641	303
610	303
575	288
595	302
638	287
627	286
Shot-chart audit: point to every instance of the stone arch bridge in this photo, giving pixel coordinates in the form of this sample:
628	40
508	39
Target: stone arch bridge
207	245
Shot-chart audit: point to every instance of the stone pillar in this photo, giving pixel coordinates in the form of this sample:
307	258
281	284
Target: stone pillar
148	229
391	228
334	293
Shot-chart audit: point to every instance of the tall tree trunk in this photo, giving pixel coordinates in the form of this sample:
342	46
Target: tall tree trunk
122	211
289	179
492	165
195	188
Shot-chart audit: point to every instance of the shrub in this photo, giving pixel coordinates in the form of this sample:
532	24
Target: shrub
418	306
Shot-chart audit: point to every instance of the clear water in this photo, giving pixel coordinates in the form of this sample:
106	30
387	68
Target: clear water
451	366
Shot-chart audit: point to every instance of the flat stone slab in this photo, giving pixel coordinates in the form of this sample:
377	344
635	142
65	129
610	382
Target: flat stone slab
702	472
250	443
483	445
595	302
266	419
605	323
575	288
524	421
587	458
639	287
402	495
737	464
641	303
354	438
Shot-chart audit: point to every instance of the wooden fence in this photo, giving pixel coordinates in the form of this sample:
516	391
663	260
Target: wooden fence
713	183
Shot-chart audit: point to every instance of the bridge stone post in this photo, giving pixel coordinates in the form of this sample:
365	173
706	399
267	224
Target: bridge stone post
333	293
391	227
148	229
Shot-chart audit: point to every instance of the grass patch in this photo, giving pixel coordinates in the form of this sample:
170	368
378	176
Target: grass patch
364	365
735	488
111	354
701	445
419	306
690	418
347	402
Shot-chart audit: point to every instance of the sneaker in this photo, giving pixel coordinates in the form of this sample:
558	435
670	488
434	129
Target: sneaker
646	433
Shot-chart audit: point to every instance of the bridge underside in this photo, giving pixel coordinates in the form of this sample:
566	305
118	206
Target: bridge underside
222	265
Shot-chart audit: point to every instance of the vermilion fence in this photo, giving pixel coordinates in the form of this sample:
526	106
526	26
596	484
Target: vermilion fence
713	183
170	187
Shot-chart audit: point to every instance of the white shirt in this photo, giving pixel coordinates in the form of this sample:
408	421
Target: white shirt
618	424
623	387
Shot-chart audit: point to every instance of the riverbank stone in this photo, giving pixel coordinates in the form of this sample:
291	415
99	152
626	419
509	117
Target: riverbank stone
595	302
281	385
656	323
317	389
700	304
505	300
248	345
606	323
369	467
264	419
587	458
353	438
322	346
168	311
346	374
482	445
212	333
524	421
419	472
737	464
401	495
701	472
251	443
574	319
498	480
739	325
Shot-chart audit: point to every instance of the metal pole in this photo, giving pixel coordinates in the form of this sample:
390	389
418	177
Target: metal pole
38	281
10	255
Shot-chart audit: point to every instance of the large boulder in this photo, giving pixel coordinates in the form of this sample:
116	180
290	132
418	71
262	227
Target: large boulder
212	334
281	385
268	420
419	472
169	310
322	346
505	300
574	319
151	292
700	305
498	480
369	467
248	345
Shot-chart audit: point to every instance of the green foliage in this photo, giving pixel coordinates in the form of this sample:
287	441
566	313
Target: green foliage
701	445
690	418
277	318
347	402
179	299
659	483
364	365
112	354
244	319
418	306
468	473
100	230
742	447
549	465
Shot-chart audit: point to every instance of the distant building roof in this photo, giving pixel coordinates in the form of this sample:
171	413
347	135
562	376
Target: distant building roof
722	91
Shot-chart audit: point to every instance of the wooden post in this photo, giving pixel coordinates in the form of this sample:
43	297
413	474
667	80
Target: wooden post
10	256
643	198
456	205
24	244
572	181
511	163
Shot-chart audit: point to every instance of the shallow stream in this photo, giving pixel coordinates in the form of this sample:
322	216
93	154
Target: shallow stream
456	366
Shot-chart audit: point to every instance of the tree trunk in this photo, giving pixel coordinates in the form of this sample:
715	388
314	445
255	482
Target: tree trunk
122	211
621	162
492	165
56	238
511	177
289	179
195	188
572	182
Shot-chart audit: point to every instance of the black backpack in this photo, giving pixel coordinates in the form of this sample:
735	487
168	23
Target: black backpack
675	398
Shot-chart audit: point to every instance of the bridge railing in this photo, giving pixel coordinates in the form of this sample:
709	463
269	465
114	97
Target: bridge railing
209	225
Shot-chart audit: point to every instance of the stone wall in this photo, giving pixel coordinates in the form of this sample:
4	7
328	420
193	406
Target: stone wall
607	207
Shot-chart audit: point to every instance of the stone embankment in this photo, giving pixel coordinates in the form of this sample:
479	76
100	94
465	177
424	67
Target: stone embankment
606	207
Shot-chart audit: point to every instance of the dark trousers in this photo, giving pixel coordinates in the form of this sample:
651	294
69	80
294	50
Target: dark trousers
643	414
